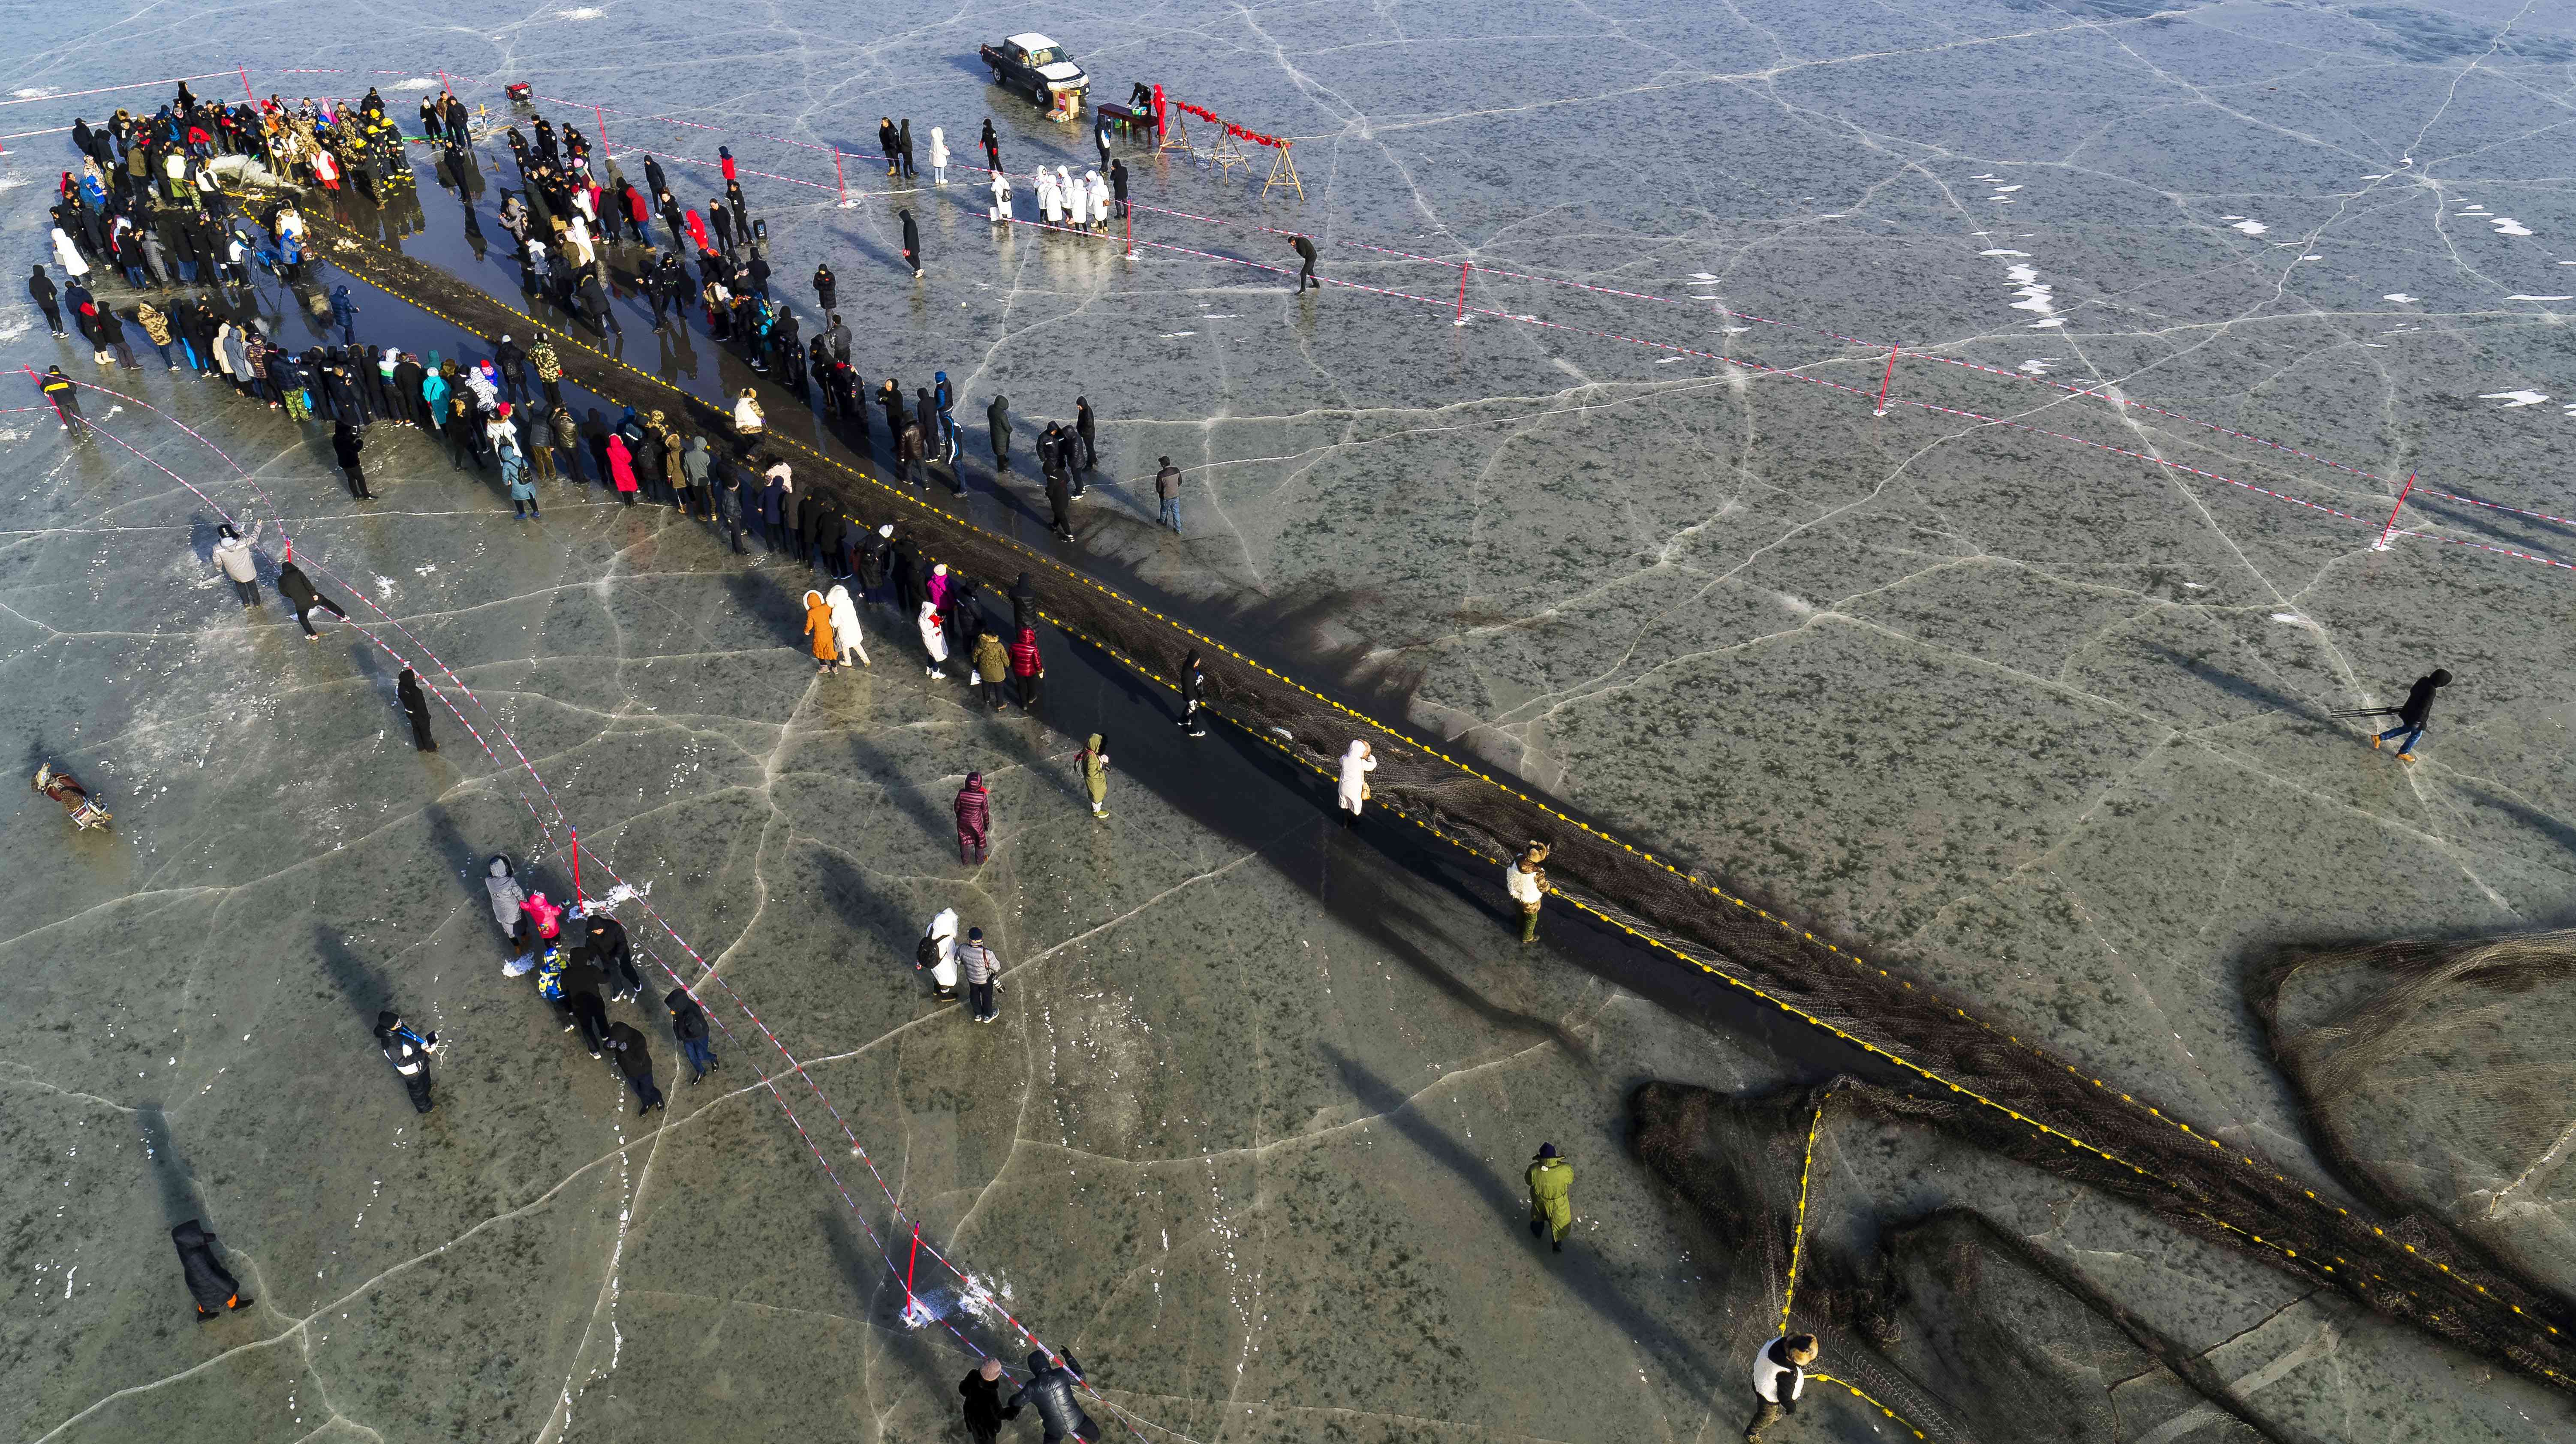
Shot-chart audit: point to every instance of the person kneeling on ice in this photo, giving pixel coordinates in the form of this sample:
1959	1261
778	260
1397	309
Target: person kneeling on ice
1779	1377
1050	1388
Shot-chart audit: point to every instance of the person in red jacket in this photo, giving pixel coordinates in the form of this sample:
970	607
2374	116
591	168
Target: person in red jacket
1027	668
974	818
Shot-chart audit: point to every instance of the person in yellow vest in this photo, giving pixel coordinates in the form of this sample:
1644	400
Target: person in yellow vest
1551	1186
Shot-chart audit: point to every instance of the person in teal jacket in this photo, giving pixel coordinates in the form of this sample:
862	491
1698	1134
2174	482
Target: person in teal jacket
1551	1186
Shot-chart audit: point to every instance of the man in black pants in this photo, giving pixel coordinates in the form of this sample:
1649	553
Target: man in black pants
1305	248
297	588
997	418
48	300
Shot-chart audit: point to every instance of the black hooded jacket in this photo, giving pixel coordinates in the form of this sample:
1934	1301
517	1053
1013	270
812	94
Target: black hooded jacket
208	1281
2419	699
686	1021
632	1060
984	1411
1051	1390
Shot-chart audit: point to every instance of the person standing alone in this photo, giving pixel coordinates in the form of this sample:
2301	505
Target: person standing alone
974	812
1527	885
1779	1377
415	705
1551	1187
1306	273
1167	490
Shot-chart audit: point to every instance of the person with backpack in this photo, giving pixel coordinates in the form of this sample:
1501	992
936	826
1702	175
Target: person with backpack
936	954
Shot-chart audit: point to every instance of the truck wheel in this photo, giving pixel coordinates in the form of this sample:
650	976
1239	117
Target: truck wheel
1038	95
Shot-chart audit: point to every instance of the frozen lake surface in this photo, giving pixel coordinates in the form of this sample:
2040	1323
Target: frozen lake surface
2027	683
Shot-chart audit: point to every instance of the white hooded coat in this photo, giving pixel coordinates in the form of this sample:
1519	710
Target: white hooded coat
1357	764
934	638
68	256
943	932
1001	196
1046	197
506	894
1099	195
1078	202
1072	201
938	148
845	622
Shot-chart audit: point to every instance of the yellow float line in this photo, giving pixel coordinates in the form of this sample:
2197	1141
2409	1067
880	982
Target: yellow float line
2070	1140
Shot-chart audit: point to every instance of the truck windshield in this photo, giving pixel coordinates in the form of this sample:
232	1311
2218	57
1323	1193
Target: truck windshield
1045	55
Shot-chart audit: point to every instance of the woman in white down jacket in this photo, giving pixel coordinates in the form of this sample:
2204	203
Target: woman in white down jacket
233	554
1357	764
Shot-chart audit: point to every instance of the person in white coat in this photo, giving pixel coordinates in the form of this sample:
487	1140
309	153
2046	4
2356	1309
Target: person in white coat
1047	200
1001	197
68	256
845	626
1357	764
1099	192
1099	201
746	414
934	638
1077	204
942	937
1072	198
233	554
938	157
1779	1377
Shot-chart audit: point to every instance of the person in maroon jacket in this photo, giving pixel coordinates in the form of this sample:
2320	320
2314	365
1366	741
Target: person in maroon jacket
974	818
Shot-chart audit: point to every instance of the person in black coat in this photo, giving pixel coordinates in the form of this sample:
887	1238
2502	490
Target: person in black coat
1083	428
415	704
1059	495
2413	713
982	1391
826	286
689	1026
1118	188
407	1050
1193	696
636	1064
209	1283
41	286
298	590
911	243
346	442
1024	604
997	420
581	995
1306	249
1050	1388
992	146
906	567
604	943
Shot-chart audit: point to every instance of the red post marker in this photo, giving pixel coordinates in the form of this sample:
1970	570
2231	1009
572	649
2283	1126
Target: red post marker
603	129
443	87
907	1268
1463	269
2390	530
1130	218
1883	380
576	864
246	92
837	179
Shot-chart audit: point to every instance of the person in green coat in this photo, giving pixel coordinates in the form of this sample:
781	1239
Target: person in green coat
1551	1186
1095	775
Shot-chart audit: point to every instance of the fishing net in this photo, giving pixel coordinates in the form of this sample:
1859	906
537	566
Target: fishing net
2439	1077
1982	1081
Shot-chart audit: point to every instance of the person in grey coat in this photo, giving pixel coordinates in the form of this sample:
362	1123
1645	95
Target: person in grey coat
695	465
233	553
501	883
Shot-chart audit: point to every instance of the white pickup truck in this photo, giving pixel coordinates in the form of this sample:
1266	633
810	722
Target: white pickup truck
1037	68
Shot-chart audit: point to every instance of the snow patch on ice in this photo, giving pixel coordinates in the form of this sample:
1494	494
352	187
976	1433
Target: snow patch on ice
33	91
2512	399
2251	228
384	586
2508	226
2034	295
2519	297
2037	366
2400	297
414	85
581	12
2292	618
2003	253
